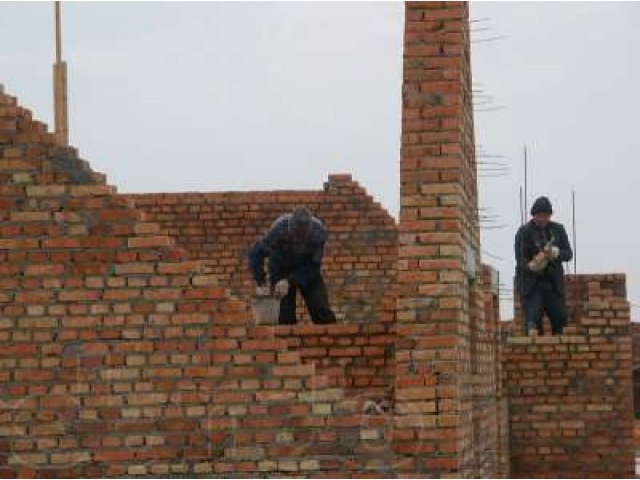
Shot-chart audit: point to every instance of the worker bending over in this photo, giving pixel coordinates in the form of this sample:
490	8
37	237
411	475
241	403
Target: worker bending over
295	247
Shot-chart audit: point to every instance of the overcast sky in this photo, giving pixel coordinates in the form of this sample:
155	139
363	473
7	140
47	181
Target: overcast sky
247	96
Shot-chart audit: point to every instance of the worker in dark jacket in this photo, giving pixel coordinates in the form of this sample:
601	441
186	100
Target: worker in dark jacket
540	247
295	246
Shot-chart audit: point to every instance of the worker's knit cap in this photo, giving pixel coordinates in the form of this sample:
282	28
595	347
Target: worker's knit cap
300	218
541	205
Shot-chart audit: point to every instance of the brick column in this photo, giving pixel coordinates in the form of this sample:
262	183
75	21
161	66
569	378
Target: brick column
438	238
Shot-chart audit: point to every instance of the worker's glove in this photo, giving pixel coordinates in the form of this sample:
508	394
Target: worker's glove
539	262
282	288
551	251
262	291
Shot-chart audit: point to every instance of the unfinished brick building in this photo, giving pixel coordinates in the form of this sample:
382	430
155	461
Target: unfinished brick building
128	348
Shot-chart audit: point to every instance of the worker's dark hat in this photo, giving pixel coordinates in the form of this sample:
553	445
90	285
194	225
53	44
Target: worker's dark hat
300	218
541	205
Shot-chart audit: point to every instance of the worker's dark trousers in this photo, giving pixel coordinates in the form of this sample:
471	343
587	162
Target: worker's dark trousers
315	297
544	298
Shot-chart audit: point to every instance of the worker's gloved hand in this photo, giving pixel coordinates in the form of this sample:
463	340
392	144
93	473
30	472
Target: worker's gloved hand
551	251
262	290
539	262
282	288
536	266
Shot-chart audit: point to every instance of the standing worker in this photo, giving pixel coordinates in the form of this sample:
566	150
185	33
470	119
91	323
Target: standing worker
295	246
540	247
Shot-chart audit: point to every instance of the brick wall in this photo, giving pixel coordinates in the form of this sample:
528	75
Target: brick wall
220	227
570	396
125	356
122	356
358	357
490	402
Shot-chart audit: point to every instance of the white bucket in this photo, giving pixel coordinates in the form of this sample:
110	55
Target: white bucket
266	309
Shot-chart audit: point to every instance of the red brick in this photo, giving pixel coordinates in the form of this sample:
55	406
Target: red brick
33	375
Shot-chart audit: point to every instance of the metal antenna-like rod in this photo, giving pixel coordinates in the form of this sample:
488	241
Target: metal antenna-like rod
522	217
526	168
573	214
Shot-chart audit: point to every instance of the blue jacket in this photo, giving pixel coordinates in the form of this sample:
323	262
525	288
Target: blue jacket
298	263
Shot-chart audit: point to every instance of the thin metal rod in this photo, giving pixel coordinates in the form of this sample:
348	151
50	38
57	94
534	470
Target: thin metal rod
526	168
521	208
573	214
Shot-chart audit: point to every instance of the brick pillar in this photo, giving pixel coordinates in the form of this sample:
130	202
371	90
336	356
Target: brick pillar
438	238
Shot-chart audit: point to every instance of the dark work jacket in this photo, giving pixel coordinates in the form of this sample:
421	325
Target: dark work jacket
530	240
298	263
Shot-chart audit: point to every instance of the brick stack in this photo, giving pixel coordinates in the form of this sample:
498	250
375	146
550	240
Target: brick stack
571	412
220	227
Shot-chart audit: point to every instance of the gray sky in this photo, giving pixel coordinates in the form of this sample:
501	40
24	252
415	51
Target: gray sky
247	96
